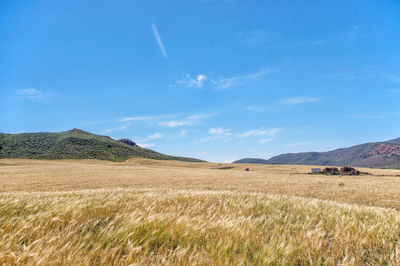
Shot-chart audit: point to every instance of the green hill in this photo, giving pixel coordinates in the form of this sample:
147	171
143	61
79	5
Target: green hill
252	160
75	144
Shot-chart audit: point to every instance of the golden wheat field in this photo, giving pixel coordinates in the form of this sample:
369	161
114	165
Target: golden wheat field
168	212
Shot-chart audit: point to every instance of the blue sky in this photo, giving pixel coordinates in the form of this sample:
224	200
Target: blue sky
212	79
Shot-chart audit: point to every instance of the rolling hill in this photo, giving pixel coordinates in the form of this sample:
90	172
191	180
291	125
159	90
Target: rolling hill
75	144
252	160
377	154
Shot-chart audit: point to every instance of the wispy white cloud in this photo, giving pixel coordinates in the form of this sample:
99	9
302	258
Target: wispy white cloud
188	121
193	82
220	83
262	141
225	135
259	109
270	134
251	133
218	133
145	145
299	100
143	141
259	132
271	40
151	137
117	128
234	81
175	123
274	131
30	93
159	41
126	122
136	118
182	133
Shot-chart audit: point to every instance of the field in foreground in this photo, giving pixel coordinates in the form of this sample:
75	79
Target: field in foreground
90	212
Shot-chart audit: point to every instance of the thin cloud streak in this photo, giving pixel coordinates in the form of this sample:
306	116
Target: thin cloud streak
136	118
219	83
188	121
118	128
145	145
190	82
262	141
152	137
259	108
30	93
219	133
259	132
182	133
299	100
234	81
254	132
226	135
159	41
142	142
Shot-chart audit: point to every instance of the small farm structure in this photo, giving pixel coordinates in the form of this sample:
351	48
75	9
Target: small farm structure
346	170
315	170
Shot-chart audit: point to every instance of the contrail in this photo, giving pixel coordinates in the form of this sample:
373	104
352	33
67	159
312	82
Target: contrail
159	41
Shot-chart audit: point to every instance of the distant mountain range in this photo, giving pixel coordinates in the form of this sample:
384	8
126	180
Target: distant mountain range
75	144
377	154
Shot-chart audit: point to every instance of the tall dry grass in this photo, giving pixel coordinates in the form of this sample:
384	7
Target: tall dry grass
380	188
151	212
192	227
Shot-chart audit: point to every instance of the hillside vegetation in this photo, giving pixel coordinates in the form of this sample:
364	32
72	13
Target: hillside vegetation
252	160
74	144
378	154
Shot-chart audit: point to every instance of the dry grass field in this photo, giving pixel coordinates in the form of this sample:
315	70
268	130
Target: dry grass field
168	212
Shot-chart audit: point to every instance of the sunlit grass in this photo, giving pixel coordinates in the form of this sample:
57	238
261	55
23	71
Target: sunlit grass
168	212
183	226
